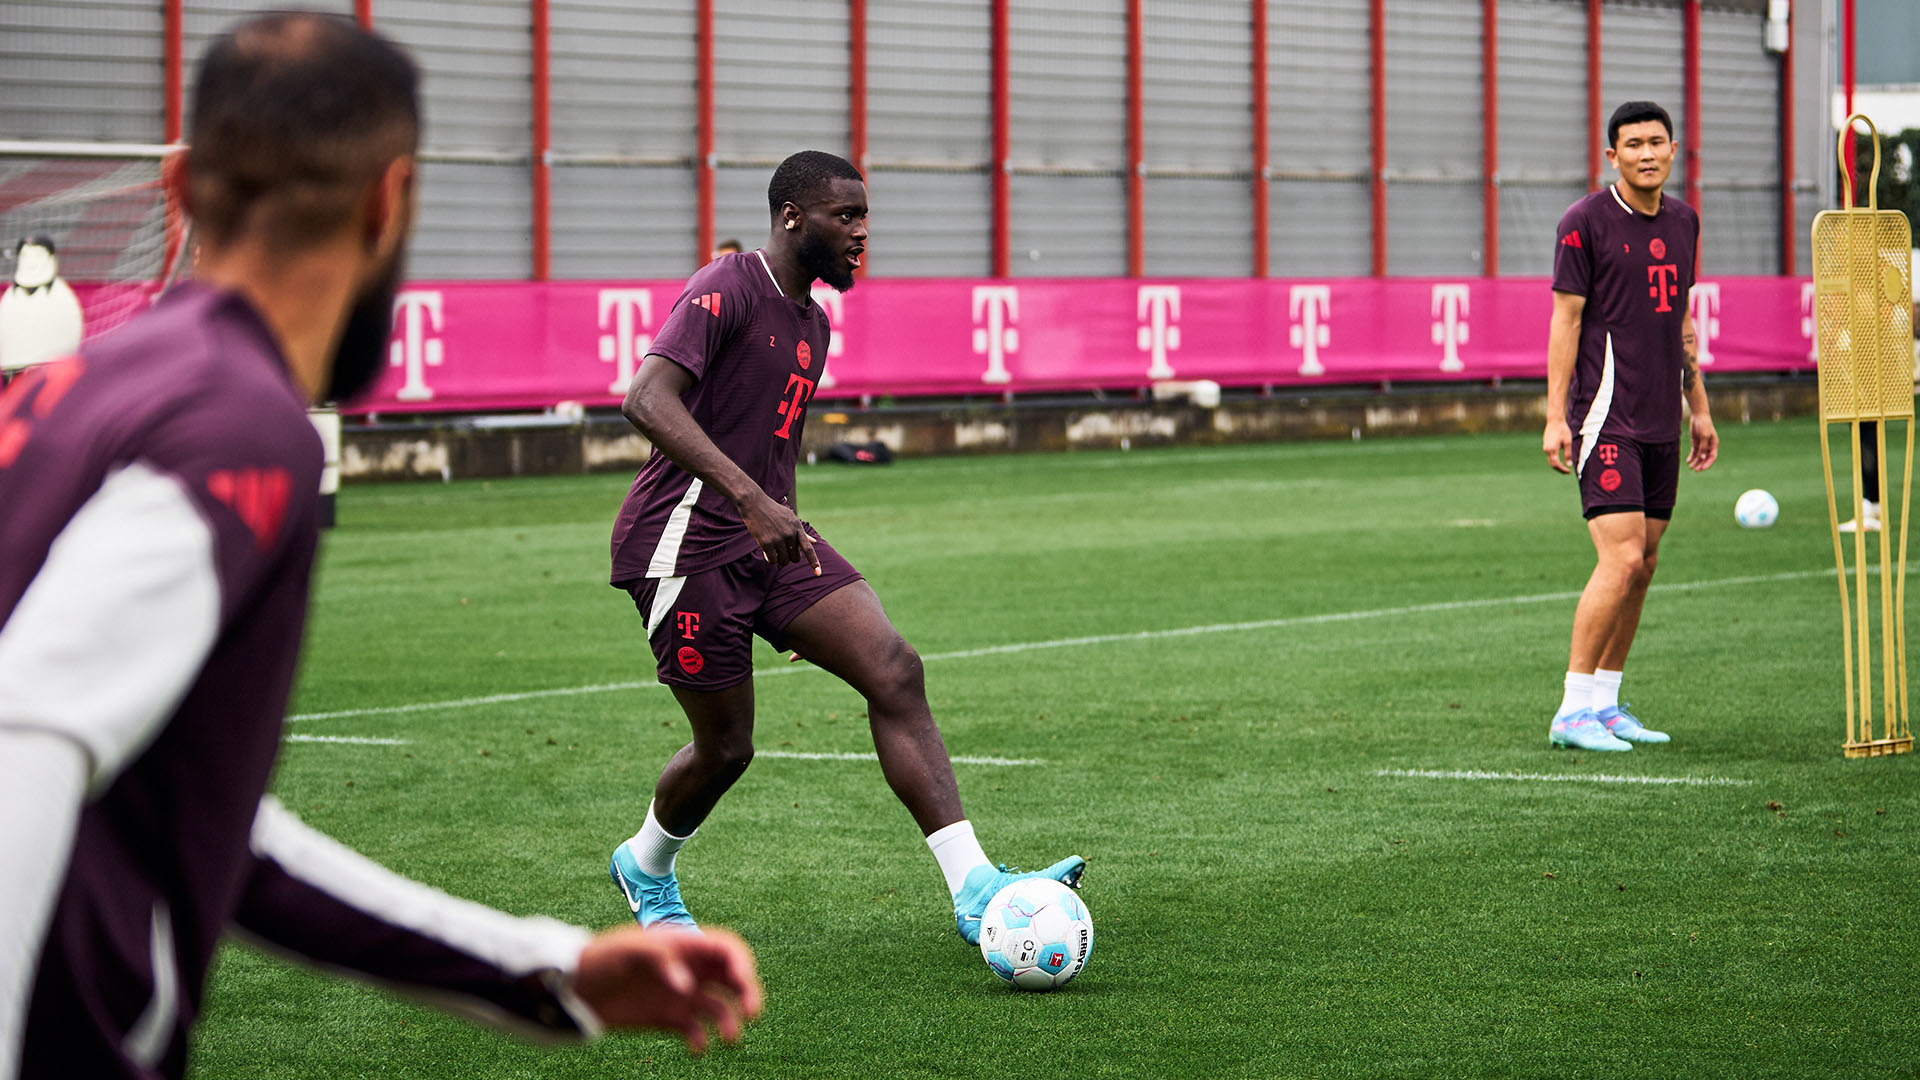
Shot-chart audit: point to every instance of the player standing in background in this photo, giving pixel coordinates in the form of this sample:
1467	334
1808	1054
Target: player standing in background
160	491
710	546
1620	355
40	317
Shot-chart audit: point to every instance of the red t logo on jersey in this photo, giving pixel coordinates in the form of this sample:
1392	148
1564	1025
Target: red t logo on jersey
1662	276
792	399
688	621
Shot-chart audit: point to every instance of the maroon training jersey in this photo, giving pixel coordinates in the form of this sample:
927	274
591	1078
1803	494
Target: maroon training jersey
756	355
1636	273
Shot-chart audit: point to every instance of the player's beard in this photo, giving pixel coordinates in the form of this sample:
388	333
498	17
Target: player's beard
820	260
362	351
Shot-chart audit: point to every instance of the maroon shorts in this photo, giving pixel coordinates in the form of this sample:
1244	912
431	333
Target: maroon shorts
702	631
1623	476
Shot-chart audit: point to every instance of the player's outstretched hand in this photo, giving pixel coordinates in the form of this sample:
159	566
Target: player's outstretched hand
1557	443
779	532
676	980
1705	447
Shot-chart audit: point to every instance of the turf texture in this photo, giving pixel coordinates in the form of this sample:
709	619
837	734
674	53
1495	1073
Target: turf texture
1248	675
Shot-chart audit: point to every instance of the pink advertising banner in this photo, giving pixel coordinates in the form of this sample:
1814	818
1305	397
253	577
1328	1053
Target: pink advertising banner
518	345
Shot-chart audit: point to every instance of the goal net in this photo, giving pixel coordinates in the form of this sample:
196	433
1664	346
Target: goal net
104	208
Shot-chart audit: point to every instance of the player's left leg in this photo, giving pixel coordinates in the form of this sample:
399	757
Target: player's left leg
846	631
1661	479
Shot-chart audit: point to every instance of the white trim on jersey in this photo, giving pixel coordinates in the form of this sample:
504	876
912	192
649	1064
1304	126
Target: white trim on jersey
769	268
518	947
152	1034
43	780
113	629
665	595
666	554
1614	189
1597	412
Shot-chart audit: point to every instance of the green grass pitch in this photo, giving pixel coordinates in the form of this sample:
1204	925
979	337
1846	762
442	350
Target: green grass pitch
1270	898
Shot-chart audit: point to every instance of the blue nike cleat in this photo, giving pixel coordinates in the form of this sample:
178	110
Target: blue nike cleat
1581	730
984	882
654	901
1624	725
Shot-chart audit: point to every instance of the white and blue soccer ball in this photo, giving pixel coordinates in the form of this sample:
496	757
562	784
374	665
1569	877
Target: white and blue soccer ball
1036	934
1756	509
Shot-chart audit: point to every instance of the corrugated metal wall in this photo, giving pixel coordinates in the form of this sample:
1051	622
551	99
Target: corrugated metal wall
624	113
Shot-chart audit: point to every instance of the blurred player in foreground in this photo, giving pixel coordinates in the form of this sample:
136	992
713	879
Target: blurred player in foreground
713	552
160	492
1620	354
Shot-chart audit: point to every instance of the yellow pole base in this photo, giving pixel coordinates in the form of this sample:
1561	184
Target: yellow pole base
1880	747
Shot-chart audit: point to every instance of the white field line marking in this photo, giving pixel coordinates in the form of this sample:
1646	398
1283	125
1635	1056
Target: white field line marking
356	740
1092	639
797	755
1590	778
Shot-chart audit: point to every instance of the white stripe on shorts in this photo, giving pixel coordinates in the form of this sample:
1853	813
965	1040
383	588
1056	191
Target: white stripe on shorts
1597	414
665	595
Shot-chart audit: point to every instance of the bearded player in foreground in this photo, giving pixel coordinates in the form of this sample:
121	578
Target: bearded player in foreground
160	491
709	545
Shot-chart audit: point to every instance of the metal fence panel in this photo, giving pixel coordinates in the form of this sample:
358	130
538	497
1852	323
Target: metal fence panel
930	224
1435	125
473	222
1434	229
476	63
1643	58
81	70
1320	228
1739	147
623	222
1198	227
780	78
623	77
1067	79
1069	226
1543	126
930	137
1319	108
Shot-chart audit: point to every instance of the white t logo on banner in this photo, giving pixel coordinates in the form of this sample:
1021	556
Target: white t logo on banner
834	302
1450	310
1308	306
626	345
1704	306
418	312
999	305
1158	309
1806	321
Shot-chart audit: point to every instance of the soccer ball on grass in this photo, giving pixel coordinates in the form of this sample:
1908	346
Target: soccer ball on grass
1756	509
1036	934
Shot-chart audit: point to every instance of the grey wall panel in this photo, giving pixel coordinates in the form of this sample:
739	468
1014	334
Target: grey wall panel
1068	82
624	77
1199	227
1529	216
929	81
81	70
1543	90
1434	116
623	222
1643	58
1318	87
1069	226
1320	228
1739	147
780	78
1196	78
473	222
476	63
1434	229
930	224
203	20
740	209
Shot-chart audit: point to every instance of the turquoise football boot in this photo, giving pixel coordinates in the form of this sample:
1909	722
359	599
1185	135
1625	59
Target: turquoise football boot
1581	730
1624	725
984	882
654	901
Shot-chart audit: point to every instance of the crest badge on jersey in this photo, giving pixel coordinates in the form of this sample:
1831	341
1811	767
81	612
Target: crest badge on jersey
803	355
1658	247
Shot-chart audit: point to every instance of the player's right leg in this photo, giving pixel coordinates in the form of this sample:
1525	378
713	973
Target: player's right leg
1613	502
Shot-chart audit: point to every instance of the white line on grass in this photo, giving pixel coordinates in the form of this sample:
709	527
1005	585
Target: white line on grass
356	740
1563	778
797	755
1091	639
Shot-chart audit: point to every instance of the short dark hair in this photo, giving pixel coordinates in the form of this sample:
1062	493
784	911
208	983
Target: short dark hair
1636	112
293	113
803	175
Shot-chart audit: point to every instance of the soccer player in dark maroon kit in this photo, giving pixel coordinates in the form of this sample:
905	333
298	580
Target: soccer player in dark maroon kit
1620	356
713	552
160	491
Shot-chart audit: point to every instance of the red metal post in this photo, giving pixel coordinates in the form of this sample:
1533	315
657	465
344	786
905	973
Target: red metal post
1261	186
363	13
1002	164
542	142
174	51
1490	137
1691	140
1136	139
1377	166
1849	32
1789	219
1596	128
703	168
857	95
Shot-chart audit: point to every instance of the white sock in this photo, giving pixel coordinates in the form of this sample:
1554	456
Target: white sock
1579	693
1606	689
958	853
655	848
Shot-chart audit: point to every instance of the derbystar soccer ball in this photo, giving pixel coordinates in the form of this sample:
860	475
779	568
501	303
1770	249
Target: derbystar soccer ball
1036	934
1756	509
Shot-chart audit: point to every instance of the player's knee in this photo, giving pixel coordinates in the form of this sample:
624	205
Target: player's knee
727	757
901	673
